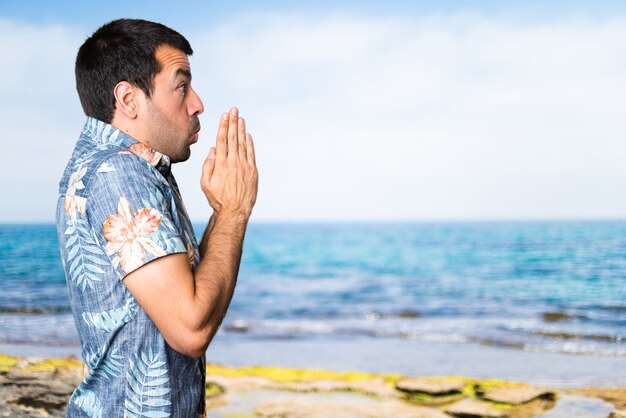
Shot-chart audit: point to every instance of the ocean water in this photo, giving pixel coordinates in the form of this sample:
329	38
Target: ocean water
527	287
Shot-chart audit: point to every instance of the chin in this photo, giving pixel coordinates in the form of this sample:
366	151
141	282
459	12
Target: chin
182	157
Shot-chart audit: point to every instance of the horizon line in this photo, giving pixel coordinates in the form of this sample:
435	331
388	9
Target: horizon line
380	221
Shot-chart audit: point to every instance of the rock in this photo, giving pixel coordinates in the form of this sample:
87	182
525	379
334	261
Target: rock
72	376
8	411
517	395
618	414
303	409
240	384
376	387
617	397
238	326
433	401
557	316
408	314
430	386
38	393
469	408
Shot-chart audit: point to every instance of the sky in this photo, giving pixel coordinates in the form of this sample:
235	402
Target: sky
361	111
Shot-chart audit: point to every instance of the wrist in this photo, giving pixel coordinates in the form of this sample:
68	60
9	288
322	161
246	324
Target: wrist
230	216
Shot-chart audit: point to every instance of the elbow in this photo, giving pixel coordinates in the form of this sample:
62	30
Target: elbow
192	337
195	343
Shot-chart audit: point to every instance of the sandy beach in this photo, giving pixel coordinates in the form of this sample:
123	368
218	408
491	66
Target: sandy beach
39	387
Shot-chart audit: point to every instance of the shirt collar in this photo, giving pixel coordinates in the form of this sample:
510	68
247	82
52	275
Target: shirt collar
102	133
164	166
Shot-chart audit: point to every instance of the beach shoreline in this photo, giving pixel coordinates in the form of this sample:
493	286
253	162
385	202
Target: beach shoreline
42	387
384	355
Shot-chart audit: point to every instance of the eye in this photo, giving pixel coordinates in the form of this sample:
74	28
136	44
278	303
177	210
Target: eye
183	87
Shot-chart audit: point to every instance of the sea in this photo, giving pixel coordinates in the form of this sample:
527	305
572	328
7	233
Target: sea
541	302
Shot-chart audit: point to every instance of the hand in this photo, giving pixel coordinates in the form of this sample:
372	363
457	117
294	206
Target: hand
229	174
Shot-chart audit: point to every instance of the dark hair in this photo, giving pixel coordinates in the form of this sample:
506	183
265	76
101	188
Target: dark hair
121	50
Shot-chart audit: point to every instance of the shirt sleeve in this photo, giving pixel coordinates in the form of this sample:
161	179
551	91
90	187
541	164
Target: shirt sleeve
130	212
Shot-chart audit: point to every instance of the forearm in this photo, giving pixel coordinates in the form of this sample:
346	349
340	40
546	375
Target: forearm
205	237
216	275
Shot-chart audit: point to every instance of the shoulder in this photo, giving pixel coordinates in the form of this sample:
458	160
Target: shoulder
121	179
121	167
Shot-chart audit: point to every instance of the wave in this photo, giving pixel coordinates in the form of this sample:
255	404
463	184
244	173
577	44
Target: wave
579	336
31	310
598	315
567	347
521	338
572	348
56	340
599	307
407	313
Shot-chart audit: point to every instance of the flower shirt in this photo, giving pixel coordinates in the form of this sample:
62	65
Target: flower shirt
119	208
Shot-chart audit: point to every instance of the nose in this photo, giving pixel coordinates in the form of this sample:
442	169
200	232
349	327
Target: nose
195	106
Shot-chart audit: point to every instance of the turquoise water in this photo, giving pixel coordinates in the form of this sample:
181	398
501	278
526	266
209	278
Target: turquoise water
536	287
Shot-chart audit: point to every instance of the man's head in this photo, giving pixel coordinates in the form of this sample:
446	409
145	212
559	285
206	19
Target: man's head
135	75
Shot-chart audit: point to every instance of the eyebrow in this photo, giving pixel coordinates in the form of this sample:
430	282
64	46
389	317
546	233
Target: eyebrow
184	72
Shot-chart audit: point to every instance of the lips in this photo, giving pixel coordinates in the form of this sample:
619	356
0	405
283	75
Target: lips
195	128
195	125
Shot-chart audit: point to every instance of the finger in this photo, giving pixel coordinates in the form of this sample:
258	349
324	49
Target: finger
241	140
221	141
250	150
209	164
210	159
232	133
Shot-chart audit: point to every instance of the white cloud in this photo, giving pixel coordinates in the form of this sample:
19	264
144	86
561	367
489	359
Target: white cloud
386	118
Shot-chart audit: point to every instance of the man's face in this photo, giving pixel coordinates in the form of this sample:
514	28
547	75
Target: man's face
172	111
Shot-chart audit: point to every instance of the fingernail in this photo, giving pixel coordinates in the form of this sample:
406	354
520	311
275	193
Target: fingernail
233	111
225	116
241	122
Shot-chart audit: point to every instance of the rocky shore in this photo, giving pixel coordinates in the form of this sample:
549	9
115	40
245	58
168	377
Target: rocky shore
38	387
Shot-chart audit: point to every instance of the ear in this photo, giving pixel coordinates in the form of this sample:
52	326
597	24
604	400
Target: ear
126	100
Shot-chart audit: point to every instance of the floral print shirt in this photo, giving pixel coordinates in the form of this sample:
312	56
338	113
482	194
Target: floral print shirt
119	208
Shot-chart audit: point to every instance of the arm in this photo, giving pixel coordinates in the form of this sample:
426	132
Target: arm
188	308
205	237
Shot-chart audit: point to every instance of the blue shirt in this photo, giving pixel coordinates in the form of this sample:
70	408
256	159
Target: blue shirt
119	208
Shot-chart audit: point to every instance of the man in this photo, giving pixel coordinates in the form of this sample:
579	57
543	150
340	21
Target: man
146	299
